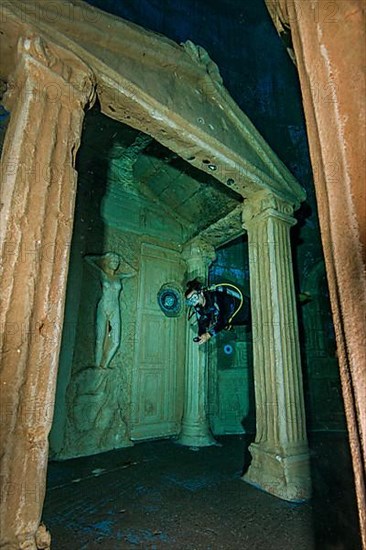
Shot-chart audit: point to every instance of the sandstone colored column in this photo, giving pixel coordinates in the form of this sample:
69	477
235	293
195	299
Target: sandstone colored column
280	454
46	98
195	427
333	88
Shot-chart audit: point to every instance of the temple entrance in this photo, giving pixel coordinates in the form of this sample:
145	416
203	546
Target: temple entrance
140	202
199	123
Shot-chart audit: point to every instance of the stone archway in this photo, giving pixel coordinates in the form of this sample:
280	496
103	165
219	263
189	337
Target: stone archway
174	94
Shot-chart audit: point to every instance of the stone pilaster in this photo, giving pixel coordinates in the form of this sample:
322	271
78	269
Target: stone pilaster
280	454
46	98
195	427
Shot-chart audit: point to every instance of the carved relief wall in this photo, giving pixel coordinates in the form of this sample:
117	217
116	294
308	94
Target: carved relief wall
158	370
98	402
324	394
98	409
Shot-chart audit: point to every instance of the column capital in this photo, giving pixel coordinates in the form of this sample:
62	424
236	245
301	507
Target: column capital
56	73
199	250
263	205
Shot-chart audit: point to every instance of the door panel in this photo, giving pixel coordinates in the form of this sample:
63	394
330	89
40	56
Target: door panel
157	382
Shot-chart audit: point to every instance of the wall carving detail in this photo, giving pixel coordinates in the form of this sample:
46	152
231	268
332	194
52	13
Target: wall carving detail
40	56
265	204
170	300
111	270
200	55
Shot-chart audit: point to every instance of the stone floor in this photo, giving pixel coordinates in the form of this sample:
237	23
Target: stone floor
161	495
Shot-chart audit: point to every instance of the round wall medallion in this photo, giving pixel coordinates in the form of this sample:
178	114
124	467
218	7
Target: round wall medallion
170	300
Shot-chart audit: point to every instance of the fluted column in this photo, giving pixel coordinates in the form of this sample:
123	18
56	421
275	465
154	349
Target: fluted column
195	426
280	463
46	99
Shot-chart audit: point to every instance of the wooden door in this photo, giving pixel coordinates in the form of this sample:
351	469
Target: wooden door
158	374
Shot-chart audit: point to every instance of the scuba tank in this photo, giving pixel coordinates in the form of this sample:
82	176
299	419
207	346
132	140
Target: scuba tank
231	290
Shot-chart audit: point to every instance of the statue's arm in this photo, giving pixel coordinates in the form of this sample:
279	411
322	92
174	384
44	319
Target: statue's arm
125	270
122	275
93	261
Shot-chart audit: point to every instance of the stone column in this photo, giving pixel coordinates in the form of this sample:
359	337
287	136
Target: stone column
333	95
195	427
280	463
46	99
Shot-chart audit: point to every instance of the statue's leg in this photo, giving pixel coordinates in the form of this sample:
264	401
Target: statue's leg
113	338
101	334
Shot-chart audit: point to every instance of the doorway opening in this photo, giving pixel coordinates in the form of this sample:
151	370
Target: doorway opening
140	201
231	380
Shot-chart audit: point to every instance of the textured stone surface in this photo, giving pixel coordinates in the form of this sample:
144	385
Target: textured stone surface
195	430
280	453
159	494
37	194
117	396
186	109
332	80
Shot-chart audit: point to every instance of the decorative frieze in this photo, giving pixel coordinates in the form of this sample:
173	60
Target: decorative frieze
264	204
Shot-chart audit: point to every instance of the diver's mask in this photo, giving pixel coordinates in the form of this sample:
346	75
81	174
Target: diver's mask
193	300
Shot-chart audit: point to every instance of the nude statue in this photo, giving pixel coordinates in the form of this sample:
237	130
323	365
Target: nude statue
112	270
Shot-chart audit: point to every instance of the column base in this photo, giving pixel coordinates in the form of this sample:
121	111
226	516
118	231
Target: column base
191	437
284	476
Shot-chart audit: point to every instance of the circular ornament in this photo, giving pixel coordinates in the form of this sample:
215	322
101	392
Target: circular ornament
170	300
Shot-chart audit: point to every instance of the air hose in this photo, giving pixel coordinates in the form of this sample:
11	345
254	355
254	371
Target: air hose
237	294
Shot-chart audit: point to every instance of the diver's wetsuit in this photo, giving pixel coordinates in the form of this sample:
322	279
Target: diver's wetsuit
219	307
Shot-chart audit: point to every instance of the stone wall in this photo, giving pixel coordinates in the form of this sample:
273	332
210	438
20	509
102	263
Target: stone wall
93	405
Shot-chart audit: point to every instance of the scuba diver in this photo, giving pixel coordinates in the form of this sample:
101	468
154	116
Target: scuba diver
215	308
